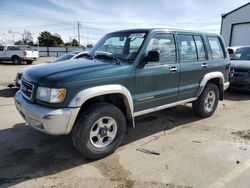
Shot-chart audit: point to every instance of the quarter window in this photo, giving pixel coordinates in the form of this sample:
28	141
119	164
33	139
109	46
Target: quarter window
216	48
165	44
187	48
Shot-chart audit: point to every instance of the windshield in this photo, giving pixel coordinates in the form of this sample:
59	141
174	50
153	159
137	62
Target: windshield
241	54
64	57
121	45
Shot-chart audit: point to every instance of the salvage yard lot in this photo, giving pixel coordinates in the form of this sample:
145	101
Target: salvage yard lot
194	152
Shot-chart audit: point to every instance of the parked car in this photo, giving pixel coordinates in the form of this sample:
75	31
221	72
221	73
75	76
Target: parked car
232	50
16	55
70	55
64	57
127	74
240	69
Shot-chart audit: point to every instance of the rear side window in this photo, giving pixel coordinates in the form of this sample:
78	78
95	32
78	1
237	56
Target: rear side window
1	48
216	48
201	52
13	48
187	48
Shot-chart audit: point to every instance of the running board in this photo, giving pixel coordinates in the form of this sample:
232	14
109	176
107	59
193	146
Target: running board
139	113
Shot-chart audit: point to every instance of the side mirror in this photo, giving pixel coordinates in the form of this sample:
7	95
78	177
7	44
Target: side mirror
230	51
153	56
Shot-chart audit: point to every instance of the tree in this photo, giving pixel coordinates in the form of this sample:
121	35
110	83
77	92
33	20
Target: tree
47	39
27	37
74	42
19	42
57	41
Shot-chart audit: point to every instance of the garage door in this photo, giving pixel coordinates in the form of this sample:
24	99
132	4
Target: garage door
241	35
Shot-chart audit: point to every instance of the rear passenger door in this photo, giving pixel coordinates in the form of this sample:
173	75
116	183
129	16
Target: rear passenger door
193	63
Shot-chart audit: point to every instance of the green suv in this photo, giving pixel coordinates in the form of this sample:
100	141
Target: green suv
127	74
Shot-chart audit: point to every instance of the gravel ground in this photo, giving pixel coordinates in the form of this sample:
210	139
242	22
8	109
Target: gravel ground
193	152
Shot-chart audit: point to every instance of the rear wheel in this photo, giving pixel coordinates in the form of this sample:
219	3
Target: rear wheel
207	102
99	130
29	62
16	60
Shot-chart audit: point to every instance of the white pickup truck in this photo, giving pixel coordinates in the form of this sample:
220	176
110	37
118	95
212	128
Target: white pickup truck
16	55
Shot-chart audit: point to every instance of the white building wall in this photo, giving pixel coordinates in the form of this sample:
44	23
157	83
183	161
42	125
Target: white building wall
241	15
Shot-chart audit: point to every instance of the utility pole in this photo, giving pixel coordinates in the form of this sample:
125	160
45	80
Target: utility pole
78	29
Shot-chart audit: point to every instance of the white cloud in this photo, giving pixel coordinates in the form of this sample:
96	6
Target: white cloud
100	17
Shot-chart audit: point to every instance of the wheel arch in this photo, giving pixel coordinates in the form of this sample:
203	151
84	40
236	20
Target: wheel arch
13	56
213	77
114	94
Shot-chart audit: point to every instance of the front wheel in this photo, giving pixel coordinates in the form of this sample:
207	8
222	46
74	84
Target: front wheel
207	102
99	130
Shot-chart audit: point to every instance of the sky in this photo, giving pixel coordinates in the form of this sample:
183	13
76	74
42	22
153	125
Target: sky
98	17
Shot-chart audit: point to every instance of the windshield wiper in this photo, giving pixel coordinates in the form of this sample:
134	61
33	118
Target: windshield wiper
106	56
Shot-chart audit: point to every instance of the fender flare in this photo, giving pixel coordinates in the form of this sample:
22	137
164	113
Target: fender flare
92	92
208	77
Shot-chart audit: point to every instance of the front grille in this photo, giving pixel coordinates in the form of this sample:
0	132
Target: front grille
27	89
19	75
240	70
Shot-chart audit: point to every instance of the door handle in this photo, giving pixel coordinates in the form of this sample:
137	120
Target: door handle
204	65
173	69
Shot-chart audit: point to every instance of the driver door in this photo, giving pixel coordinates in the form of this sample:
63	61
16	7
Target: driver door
157	83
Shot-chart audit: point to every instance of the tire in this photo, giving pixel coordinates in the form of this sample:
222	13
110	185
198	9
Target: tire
207	102
29	62
16	60
89	134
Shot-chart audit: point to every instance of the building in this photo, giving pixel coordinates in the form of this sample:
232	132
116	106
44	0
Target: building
235	26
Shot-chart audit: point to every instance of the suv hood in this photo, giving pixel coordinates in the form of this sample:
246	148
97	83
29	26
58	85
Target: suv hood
56	72
240	64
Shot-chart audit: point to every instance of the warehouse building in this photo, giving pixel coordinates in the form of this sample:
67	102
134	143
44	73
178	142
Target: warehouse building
235	26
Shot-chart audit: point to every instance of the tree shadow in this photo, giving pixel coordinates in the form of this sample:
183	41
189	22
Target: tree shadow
234	95
26	153
8	92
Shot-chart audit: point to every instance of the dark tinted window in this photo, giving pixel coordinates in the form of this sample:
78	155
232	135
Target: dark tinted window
216	48
187	48
200	48
13	48
241	54
1	48
165	44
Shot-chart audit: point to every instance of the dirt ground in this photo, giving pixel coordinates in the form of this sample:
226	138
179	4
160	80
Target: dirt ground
193	152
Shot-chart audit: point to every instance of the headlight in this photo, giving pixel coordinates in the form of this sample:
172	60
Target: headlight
50	95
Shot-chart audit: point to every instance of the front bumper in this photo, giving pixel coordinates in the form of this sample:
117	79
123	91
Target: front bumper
48	120
226	86
240	83
31	58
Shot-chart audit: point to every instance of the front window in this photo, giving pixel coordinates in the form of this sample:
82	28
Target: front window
121	45
241	54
